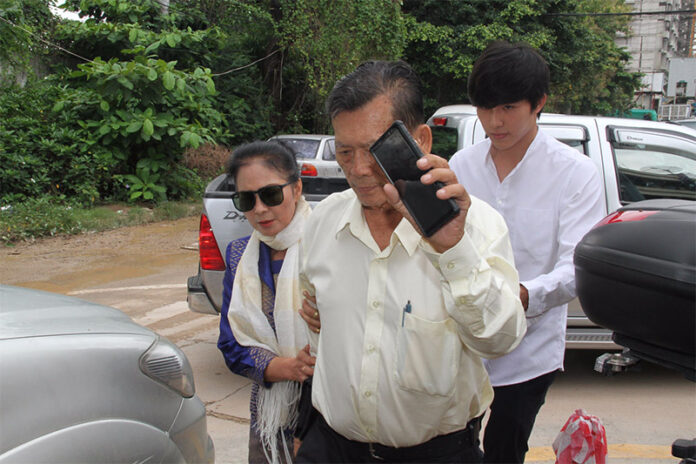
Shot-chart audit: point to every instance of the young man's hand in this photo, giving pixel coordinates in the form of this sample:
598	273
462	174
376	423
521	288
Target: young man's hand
524	297
450	234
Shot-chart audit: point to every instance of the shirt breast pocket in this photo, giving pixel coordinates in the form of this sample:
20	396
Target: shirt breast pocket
427	356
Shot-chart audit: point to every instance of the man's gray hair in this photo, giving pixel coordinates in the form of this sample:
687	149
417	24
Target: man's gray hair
394	79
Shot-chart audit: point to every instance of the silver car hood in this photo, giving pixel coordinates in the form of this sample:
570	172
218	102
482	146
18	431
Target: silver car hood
33	313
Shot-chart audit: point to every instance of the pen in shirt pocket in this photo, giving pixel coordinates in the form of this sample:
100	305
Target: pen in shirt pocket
407	309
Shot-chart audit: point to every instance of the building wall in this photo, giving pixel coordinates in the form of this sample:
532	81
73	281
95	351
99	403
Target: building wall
682	70
655	41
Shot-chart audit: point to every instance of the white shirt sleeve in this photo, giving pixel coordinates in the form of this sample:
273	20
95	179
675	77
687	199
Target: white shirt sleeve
582	206
481	286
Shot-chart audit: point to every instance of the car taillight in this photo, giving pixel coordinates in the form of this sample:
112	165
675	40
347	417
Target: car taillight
625	216
208	251
439	121
308	170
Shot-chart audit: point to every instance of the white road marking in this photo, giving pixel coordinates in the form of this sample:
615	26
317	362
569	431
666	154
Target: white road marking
161	313
195	324
125	289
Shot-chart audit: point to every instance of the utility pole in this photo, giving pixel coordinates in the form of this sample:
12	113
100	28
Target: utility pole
692	44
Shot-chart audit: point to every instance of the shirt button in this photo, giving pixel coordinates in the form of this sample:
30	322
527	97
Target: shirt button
370	348
461	300
375	304
368	394
450	265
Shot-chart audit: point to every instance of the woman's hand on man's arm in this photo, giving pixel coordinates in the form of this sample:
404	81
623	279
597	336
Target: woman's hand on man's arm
298	369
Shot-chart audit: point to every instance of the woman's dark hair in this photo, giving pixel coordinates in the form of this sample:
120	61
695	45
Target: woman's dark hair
508	73
272	154
395	79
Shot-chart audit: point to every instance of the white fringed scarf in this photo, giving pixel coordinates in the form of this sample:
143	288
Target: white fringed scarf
276	406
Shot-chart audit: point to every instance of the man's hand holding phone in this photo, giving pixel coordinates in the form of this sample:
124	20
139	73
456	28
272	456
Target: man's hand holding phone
421	187
452	232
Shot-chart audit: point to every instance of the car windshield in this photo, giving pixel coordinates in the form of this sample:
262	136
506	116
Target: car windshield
302	148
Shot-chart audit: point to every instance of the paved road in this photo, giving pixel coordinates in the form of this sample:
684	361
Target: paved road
642	411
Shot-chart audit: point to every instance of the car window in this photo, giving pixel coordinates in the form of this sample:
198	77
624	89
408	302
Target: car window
574	136
329	150
653	165
302	148
444	141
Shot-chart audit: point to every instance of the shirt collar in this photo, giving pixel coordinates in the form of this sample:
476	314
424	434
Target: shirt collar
354	220
408	236
532	150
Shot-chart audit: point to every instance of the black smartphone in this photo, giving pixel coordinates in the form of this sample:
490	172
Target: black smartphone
396	152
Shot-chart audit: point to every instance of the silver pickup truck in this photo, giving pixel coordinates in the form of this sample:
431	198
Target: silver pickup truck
637	159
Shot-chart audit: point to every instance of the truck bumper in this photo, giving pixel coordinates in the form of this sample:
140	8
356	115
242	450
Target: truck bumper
589	338
197	298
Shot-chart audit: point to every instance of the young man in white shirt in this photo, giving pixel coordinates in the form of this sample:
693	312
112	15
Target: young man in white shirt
404	320
550	195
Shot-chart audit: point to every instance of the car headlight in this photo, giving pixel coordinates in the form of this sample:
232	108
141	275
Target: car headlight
167	364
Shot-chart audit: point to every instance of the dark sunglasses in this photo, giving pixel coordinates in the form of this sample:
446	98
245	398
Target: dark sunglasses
270	195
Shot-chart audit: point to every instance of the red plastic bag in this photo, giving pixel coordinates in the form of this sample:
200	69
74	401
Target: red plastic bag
582	440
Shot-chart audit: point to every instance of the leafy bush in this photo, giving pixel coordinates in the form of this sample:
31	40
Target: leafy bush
146	95
145	112
46	153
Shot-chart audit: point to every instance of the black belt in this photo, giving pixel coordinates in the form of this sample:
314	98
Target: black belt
442	444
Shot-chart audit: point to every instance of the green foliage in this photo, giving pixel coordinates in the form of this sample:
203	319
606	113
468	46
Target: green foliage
587	69
115	126
113	29
45	153
49	216
24	24
35	218
143	185
145	110
325	39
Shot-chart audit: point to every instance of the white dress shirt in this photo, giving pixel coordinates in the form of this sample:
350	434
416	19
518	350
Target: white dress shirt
549	201
403	329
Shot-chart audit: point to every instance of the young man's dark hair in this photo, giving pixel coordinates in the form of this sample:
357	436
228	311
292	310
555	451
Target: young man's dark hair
396	79
508	73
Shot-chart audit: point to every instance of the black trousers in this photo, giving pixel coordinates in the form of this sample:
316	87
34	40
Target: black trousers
513	412
323	445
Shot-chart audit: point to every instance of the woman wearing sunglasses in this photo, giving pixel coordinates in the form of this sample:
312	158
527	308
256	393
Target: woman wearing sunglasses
261	334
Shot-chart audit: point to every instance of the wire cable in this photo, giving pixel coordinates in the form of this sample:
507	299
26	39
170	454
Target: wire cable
633	13
246	65
41	39
87	60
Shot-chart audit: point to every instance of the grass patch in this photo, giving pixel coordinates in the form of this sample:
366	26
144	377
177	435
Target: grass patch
49	217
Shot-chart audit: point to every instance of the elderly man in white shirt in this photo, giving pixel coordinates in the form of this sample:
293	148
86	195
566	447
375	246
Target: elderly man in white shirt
550	196
404	320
